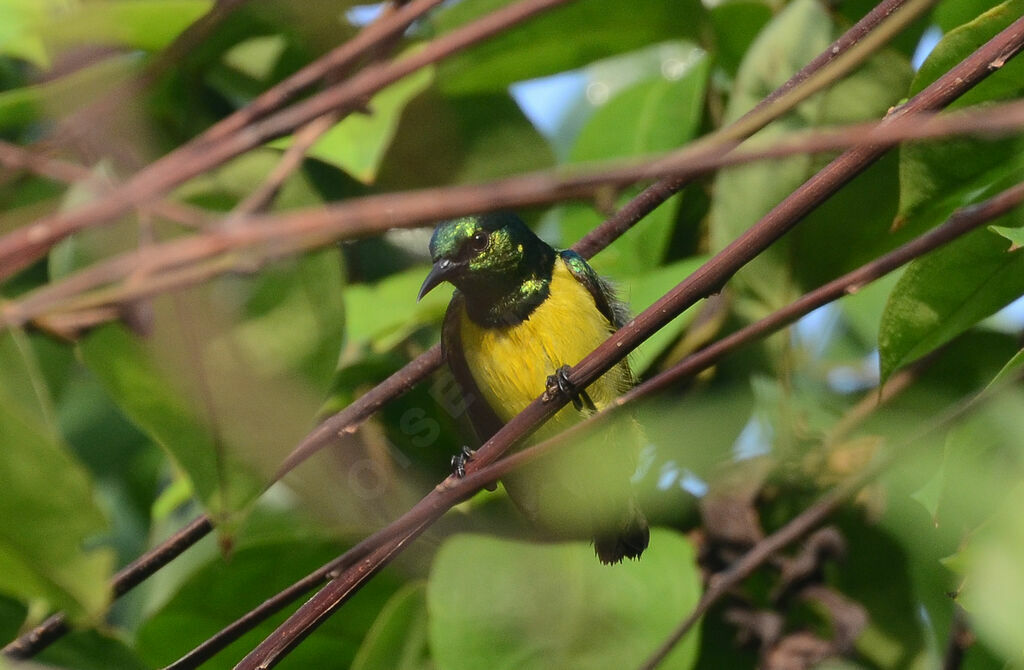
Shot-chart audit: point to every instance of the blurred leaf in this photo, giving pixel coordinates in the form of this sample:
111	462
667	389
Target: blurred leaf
398	638
472	138
937	177
257	56
655	115
149	25
541	46
57	98
18	20
556	606
946	292
358	143
48	511
367	322
225	186
978	466
993	586
736	23
222	591
232	375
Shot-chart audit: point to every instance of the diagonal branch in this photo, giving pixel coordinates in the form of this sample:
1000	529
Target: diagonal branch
706	280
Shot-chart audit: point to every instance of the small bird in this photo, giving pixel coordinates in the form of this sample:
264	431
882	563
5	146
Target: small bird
522	313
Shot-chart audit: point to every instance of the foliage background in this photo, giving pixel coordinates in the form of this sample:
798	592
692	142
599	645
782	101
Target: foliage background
191	400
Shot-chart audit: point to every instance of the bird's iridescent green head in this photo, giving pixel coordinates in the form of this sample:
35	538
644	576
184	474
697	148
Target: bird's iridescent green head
494	260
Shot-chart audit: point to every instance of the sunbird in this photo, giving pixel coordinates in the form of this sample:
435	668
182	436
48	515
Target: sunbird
521	314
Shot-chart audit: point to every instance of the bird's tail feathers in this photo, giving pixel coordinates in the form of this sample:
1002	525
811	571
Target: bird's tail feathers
628	540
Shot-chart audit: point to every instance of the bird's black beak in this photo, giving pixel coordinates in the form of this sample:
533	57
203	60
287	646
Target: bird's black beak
442	270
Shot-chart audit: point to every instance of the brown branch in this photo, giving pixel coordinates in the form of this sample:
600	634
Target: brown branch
175	264
21	247
707	279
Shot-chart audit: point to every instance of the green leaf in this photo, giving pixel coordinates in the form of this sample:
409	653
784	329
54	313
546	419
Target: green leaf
368	323
149	25
655	115
48	512
398	638
951	14
91	650
736	23
221	591
256	57
1012	367
223	187
1015	235
993	585
556	606
231	376
18	35
543	45
357	144
937	177
57	98
453	139
945	293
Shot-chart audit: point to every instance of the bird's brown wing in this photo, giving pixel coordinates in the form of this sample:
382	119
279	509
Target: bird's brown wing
482	417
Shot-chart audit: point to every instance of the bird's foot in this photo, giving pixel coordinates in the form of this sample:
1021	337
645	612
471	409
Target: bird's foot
559	383
459	461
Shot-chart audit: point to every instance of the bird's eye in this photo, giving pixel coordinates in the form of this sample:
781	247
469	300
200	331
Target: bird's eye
479	241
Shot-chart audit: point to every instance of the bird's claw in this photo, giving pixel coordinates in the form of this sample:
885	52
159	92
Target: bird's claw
459	461
559	383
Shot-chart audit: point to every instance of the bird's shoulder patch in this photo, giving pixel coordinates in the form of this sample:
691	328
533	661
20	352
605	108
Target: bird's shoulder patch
601	290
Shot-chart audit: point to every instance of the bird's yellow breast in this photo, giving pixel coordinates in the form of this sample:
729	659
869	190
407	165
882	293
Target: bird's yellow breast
511	364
